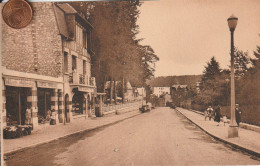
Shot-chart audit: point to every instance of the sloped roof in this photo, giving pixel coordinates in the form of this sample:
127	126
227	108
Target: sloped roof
67	8
65	16
61	22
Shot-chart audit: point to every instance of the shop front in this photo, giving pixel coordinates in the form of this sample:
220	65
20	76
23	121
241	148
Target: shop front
49	108
18	101
82	101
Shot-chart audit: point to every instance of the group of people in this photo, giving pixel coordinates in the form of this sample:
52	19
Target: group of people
216	115
51	116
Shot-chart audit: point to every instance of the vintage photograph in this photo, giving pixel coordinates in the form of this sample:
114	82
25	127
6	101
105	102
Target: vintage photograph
130	83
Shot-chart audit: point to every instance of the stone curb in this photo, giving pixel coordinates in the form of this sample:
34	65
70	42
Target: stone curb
70	134
249	151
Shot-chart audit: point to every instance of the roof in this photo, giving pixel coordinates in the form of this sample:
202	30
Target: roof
61	22
179	86
65	16
67	8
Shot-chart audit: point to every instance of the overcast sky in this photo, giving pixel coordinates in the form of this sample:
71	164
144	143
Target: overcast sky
185	34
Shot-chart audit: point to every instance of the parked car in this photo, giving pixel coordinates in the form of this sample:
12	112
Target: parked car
145	108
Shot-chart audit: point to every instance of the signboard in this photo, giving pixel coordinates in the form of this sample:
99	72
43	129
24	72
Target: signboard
85	89
46	85
19	82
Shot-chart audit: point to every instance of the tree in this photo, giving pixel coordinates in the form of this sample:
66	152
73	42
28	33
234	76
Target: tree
249	90
211	70
241	63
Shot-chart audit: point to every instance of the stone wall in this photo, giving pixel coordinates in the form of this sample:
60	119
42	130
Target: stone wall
36	48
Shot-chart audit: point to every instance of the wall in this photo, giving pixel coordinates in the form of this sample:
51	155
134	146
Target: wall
36	48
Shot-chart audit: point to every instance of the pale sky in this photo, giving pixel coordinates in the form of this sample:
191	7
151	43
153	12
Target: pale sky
185	34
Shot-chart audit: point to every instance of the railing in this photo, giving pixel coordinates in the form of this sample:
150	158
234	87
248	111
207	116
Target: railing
71	78
81	79
75	78
92	81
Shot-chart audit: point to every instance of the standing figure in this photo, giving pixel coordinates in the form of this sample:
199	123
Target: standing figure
53	117
48	116
217	115
210	110
238	114
28	115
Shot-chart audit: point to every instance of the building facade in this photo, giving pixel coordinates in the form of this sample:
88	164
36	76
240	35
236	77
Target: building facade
158	91
46	66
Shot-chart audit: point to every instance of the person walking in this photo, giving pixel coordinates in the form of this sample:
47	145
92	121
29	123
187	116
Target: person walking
217	114
238	114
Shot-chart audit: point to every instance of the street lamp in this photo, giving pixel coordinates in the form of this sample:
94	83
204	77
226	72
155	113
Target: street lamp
233	128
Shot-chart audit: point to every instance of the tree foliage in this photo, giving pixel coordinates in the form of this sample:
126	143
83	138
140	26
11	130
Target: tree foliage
118	53
241	62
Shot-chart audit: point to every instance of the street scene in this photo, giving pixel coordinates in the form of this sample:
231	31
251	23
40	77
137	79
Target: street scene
170	82
161	137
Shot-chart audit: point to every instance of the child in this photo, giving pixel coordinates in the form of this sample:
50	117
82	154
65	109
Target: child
224	120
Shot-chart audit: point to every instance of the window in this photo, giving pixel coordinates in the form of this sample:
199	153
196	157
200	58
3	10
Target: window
74	62
79	34
84	67
85	40
66	62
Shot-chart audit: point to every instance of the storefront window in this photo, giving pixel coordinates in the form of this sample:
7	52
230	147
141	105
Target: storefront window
16	105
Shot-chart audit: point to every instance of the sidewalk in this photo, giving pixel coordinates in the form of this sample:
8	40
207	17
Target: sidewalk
50	133
247	140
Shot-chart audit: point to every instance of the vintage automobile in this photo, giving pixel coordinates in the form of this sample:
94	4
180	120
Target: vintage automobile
145	108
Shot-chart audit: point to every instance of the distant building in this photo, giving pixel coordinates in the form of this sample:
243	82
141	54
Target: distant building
158	91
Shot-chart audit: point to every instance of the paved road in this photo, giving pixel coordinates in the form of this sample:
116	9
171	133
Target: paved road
160	137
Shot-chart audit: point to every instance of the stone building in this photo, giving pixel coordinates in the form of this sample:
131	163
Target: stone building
46	66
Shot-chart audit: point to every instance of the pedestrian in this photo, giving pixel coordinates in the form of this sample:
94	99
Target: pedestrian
224	119
28	115
238	114
48	116
210	110
53	117
217	114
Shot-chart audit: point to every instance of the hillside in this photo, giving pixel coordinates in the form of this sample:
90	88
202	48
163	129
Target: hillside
167	81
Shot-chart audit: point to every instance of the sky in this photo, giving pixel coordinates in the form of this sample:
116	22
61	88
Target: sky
185	34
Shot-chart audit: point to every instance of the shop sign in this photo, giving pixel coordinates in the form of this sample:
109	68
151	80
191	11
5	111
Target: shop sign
46	85
85	89
19	82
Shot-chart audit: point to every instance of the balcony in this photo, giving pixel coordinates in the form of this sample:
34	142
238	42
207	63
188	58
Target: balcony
79	79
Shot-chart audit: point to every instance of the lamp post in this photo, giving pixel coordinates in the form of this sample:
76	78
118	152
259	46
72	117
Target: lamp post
233	128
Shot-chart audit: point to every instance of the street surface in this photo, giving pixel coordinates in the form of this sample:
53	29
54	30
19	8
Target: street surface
160	137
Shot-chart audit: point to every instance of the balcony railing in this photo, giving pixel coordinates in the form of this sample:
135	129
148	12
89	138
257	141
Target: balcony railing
81	79
76	78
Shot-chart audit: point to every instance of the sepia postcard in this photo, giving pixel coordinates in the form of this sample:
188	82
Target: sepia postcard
130	83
